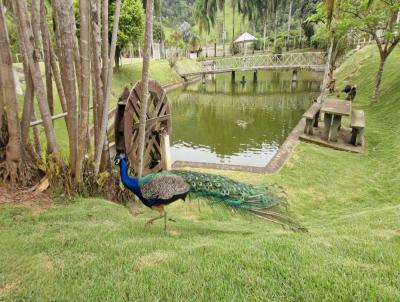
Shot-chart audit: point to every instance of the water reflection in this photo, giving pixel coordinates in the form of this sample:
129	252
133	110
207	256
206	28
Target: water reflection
240	124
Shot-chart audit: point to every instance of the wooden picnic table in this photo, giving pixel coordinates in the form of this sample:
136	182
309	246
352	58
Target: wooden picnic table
333	110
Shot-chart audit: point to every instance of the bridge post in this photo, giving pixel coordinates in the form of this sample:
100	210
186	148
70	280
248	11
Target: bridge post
255	76
233	74
294	75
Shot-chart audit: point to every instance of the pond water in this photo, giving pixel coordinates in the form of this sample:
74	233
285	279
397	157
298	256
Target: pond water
239	124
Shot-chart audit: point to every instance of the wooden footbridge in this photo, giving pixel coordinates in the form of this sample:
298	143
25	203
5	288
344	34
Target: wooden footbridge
308	60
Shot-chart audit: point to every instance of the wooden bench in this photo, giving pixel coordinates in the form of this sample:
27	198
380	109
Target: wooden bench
357	125
312	117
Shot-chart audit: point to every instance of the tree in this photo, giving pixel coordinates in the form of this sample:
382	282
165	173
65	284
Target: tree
18	166
145	83
103	119
32	59
378	19
202	19
84	43
158	32
130	25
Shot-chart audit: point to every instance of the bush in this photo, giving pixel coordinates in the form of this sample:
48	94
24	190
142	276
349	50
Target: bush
278	46
258	45
234	48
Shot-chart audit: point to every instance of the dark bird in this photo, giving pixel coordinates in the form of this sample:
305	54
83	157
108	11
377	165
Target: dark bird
352	93
347	89
158	190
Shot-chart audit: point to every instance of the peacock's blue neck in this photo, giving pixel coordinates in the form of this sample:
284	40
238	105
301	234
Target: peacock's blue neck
131	183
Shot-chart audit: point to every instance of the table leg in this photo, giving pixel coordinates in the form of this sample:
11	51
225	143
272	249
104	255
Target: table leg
327	125
336	122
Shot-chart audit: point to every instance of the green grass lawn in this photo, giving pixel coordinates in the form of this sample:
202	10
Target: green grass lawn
94	250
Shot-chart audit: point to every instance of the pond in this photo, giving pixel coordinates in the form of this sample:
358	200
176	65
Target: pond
241	123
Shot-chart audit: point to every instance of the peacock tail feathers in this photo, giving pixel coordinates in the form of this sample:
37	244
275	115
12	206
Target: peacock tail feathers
231	192
267	202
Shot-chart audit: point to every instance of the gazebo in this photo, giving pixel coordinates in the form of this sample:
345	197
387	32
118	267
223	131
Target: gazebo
245	38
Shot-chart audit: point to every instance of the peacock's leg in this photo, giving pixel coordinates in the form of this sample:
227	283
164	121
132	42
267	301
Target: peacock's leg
159	209
165	221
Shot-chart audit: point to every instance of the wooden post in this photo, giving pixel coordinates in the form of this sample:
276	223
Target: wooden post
255	76
233	77
294	75
203	78
165	152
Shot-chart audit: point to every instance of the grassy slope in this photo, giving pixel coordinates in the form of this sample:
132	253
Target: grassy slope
94	249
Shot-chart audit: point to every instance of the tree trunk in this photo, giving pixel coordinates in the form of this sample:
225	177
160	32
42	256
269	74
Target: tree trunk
300	29
75	44
18	167
233	21
29	90
28	106
145	84
36	136
47	53
96	68
275	26
378	79
84	14
104	118
104	48
117	57
65	41
14	146
289	24
27	36
223	31
327	67
264	33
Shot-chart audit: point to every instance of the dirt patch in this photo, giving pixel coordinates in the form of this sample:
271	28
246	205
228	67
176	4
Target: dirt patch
153	259
7	288
38	202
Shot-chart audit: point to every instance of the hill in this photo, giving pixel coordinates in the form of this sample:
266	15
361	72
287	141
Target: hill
94	250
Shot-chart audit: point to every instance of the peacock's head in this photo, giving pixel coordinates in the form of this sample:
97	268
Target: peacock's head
118	159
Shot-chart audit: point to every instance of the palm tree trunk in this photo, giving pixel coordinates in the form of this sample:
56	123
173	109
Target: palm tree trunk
264	32
47	54
104	48
29	90
223	31
275	26
145	84
18	166
27	36
289	24
233	20
28	106
14	146
84	41
96	68
104	117
65	40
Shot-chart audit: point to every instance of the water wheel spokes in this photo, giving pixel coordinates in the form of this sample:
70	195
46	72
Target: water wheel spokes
158	120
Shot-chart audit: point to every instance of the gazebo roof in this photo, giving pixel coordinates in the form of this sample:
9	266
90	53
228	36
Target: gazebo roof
245	37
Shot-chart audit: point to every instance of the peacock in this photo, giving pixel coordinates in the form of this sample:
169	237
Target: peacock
158	190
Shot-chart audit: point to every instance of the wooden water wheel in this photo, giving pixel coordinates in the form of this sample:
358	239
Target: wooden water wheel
158	123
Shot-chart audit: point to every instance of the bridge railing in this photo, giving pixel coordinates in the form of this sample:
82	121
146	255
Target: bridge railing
289	59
